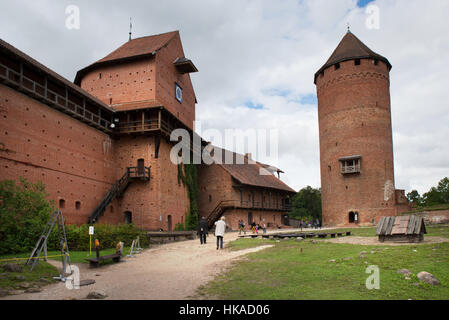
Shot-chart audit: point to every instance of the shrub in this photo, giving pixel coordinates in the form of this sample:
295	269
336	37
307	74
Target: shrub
24	213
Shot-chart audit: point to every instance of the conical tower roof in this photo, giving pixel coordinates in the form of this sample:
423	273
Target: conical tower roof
350	48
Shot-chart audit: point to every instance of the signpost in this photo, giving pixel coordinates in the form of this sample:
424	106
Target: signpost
91	233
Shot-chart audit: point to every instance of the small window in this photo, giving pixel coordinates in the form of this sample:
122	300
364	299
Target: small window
357	62
178	93
210	198
337	66
99	75
61	203
77	205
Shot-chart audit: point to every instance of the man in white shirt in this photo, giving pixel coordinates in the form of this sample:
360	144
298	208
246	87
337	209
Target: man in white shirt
220	228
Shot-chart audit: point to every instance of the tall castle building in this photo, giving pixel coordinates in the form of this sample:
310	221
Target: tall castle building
101	145
356	145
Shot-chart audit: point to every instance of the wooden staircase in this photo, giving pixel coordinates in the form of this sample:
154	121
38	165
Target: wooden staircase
117	190
219	210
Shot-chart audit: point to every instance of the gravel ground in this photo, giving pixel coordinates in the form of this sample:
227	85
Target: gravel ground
172	271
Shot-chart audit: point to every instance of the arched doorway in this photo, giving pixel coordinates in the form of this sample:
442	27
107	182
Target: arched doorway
128	217
351	217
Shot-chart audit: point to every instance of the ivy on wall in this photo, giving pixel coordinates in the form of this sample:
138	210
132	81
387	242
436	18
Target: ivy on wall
189	178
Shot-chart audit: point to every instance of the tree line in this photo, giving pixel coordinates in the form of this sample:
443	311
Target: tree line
438	195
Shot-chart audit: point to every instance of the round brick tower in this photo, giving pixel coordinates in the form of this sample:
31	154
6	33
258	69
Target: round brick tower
356	147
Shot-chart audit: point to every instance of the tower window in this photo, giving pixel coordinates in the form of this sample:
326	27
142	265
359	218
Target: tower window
357	62
77	205
99	75
350	165
210	198
61	203
337	66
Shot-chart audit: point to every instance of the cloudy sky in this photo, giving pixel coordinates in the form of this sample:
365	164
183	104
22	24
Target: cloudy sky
257	60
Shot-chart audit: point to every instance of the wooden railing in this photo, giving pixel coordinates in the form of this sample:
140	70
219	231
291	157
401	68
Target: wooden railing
42	92
350	169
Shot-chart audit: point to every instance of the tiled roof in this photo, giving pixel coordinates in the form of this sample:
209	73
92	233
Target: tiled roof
132	49
250	173
401	225
350	48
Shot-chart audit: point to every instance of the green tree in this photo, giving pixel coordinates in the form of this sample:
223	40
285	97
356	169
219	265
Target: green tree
414	197
23	213
439	194
306	204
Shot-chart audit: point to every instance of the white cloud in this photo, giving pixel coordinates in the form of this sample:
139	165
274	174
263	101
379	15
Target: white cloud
246	50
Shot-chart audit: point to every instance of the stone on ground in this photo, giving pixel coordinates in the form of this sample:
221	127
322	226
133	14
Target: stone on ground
12	267
405	272
428	278
96	295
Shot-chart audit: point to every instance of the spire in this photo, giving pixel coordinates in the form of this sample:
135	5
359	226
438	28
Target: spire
349	28
130	28
351	48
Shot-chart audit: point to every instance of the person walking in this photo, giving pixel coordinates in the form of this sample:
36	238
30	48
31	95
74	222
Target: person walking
241	227
202	230
220	228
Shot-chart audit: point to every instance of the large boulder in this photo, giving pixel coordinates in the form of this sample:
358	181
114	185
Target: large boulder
428	278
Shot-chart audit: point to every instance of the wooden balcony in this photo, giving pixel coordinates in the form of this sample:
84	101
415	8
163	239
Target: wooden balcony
350	169
39	89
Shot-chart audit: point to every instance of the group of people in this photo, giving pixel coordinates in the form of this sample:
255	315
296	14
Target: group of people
220	229
316	224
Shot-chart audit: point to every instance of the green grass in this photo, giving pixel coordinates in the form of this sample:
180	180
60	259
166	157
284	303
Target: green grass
42	270
283	272
75	256
436	207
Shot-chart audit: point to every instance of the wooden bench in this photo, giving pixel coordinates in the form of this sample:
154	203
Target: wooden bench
340	234
332	235
94	262
348	233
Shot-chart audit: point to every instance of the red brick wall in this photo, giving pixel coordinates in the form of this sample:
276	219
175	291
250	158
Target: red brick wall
74	161
127	82
272	219
167	75
354	119
145	80
213	180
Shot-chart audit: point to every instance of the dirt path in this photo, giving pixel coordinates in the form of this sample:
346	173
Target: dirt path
173	271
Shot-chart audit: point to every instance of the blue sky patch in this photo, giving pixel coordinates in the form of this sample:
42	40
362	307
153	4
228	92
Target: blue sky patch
363	3
251	105
309	99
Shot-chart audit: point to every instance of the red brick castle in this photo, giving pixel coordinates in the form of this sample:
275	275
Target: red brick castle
101	145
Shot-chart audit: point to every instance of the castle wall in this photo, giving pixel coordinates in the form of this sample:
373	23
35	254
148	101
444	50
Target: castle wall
151	202
74	161
167	75
122	83
354	119
215	182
